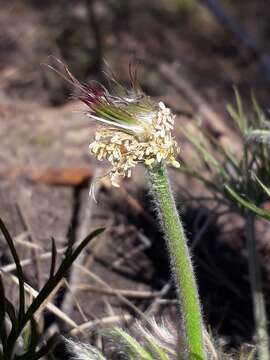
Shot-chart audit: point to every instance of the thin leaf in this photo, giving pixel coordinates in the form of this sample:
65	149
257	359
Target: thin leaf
53	258
223	151
241	117
248	205
258	111
133	344
233	114
210	160
155	348
45	349
54	281
34	337
18	268
50	285
265	188
32	343
84	243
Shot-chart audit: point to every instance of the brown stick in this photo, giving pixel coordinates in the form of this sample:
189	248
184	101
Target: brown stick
113	292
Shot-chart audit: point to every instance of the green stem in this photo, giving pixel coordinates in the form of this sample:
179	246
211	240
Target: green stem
181	264
256	290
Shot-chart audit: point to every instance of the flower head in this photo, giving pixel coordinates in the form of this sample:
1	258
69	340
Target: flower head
133	129
148	141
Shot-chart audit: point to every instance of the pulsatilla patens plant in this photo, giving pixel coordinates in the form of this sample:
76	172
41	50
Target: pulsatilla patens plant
134	129
20	338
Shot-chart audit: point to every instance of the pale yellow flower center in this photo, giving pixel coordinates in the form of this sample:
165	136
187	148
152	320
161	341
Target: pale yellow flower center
125	150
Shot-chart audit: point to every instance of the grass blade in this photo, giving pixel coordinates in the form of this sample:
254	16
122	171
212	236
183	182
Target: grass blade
248	205
54	281
209	159
45	349
265	188
132	344
30	343
53	258
157	350
238	114
20	274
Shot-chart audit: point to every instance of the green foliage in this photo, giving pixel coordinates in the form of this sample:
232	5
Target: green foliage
139	346
220	169
156	342
240	181
248	204
132	346
24	328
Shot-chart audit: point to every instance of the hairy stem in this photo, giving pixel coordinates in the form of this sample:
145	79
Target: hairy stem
256	289
181	264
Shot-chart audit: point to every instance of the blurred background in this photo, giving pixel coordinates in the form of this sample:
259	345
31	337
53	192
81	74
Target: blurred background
190	53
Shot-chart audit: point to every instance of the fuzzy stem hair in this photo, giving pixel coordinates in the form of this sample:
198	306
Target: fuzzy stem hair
181	264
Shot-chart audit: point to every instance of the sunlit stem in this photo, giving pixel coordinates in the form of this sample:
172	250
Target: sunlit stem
181	264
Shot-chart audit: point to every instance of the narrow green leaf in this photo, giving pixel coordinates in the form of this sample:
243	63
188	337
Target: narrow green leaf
265	188
84	243
45	349
210	160
30	343
53	258
260	116
248	205
157	350
18	268
133	344
61	272
233	114
34	336
49	286
240	111
223	151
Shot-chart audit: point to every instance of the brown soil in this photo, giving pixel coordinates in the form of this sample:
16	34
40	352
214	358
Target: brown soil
45	168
